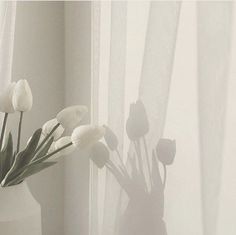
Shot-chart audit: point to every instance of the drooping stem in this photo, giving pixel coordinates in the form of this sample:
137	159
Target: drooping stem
4	124
120	179
47	137
40	159
19	132
51	154
113	166
121	161
122	167
147	159
165	175
118	154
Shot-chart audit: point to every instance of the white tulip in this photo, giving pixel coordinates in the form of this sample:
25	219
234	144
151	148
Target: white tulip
49	125
22	98
52	149
6	105
86	135
62	142
70	117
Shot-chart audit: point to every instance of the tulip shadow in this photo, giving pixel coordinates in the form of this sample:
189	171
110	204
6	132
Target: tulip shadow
140	178
145	210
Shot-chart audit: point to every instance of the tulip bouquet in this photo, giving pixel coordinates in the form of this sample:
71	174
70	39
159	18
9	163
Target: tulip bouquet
140	176
46	144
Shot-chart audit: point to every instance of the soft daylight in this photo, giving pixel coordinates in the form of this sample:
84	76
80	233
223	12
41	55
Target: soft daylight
117	117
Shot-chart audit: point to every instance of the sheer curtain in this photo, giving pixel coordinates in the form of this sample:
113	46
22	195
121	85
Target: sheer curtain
179	60
7	26
7	23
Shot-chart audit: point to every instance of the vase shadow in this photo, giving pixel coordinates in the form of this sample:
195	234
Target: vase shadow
145	210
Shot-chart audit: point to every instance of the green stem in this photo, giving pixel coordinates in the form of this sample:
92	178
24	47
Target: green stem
3	129
51	154
47	137
40	159
19	132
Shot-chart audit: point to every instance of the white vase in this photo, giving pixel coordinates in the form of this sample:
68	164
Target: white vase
20	213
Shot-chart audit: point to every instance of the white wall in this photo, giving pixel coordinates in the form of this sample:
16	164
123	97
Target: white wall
57	79
39	57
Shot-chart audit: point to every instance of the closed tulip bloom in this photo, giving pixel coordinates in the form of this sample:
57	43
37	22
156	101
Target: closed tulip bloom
70	117
110	138
52	149
86	135
166	150
49	125
99	154
6	105
62	142
137	124
22	98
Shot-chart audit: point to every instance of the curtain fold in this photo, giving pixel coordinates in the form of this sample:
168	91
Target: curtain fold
116	104
153	90
214	39
95	64
207	83
157	64
7	28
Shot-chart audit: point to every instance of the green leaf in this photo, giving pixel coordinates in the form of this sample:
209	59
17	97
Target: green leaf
44	150
1	165
30	171
6	157
24	157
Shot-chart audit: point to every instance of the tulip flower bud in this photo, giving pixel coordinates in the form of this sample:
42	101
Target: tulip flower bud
63	141
49	125
110	138
52	147
166	150
86	135
6	105
99	154
70	117
22	98
137	124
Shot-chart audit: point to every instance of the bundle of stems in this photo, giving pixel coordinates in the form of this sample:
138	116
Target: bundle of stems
46	143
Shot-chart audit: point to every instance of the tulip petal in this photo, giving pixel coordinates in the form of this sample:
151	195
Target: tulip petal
49	125
63	141
6	105
86	135
70	117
